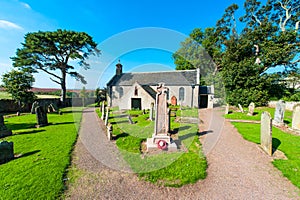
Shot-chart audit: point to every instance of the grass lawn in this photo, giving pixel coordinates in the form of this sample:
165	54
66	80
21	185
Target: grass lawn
257	114
44	156
4	95
168	169
287	143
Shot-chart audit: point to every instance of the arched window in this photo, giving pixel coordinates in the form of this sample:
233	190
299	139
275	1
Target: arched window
181	94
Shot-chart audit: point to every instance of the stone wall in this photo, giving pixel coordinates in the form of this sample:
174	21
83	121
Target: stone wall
288	105
7	105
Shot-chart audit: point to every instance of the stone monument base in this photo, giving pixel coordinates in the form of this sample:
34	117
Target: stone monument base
5	133
152	143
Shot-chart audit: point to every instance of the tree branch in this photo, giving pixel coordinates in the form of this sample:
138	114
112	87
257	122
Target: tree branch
52	74
55	81
254	18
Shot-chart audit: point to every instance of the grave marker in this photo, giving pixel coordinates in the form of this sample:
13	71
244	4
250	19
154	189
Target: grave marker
41	116
279	113
266	132
241	108
6	151
296	117
251	108
106	116
3	129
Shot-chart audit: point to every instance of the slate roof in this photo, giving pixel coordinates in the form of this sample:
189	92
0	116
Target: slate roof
176	78
150	91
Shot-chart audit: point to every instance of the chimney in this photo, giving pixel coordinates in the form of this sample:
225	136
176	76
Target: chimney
119	68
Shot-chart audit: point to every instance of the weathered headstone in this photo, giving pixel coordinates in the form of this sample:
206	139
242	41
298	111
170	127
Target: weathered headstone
33	107
6	151
279	113
106	116
3	129
103	110
109	131
266	132
151	111
41	116
296	117
160	138
130	120
226	109
173	101
251	108
241	108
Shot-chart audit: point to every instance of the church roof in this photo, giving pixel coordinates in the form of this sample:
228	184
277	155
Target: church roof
176	78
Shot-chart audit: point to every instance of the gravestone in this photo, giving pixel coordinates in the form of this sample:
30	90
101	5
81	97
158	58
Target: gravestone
41	116
106	116
266	132
6	151
151	111
173	101
226	109
103	110
52	108
3	129
279	113
130	120
251	108
33	107
241	108
109	131
162	123
296	117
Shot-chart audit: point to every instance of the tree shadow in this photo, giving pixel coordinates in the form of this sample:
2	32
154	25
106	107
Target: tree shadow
61	123
20	126
255	113
186	136
275	144
115	137
204	133
26	154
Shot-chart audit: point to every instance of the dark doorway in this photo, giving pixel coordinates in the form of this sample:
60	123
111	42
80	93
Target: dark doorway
136	103
203	101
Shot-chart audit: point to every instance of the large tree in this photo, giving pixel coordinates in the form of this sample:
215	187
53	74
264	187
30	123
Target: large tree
18	84
52	51
268	38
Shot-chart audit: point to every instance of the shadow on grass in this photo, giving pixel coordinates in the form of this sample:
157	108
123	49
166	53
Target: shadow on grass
28	132
286	121
186	136
176	130
115	137
275	144
60	123
26	154
19	126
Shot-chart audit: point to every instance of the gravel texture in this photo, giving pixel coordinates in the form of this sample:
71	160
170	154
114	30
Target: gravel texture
237	169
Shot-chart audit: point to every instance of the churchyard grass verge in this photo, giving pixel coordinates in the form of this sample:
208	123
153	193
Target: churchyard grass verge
287	143
167	169
43	153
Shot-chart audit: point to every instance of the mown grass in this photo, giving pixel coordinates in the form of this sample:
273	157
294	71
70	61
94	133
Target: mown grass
168	169
5	95
257	115
44	155
287	143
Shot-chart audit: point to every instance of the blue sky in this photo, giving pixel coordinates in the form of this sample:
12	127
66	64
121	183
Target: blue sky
125	30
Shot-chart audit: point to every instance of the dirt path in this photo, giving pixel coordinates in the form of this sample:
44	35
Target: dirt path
237	169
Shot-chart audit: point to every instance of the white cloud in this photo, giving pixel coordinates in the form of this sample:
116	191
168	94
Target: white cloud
9	25
25	5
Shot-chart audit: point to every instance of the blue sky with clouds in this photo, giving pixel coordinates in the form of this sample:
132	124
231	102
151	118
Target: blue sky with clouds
121	28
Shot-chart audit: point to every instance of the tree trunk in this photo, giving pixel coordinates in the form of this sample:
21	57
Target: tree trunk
63	89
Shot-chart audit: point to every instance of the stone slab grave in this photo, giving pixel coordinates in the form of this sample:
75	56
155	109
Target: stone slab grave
251	108
266	132
103	110
151	117
41	116
279	113
106	115
241	108
6	151
226	109
3	129
160	139
296	117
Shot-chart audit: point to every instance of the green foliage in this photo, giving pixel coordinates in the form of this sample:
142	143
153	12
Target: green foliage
51	51
287	143
268	39
18	85
44	155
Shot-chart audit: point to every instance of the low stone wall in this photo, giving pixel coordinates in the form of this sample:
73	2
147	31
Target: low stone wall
288	105
7	105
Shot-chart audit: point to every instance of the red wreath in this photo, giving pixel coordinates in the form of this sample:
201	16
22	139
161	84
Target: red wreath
161	144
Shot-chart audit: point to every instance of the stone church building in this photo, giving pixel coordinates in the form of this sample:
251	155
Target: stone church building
138	90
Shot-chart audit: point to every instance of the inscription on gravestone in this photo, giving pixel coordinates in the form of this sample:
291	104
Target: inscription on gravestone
279	113
296	117
266	132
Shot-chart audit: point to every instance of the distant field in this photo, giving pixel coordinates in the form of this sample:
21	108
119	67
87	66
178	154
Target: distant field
5	95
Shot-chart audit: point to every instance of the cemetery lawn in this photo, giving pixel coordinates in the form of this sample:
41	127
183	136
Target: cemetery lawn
163	168
287	143
44	155
257	114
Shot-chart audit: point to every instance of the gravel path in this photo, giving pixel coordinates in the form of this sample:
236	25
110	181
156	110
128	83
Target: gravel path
237	169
